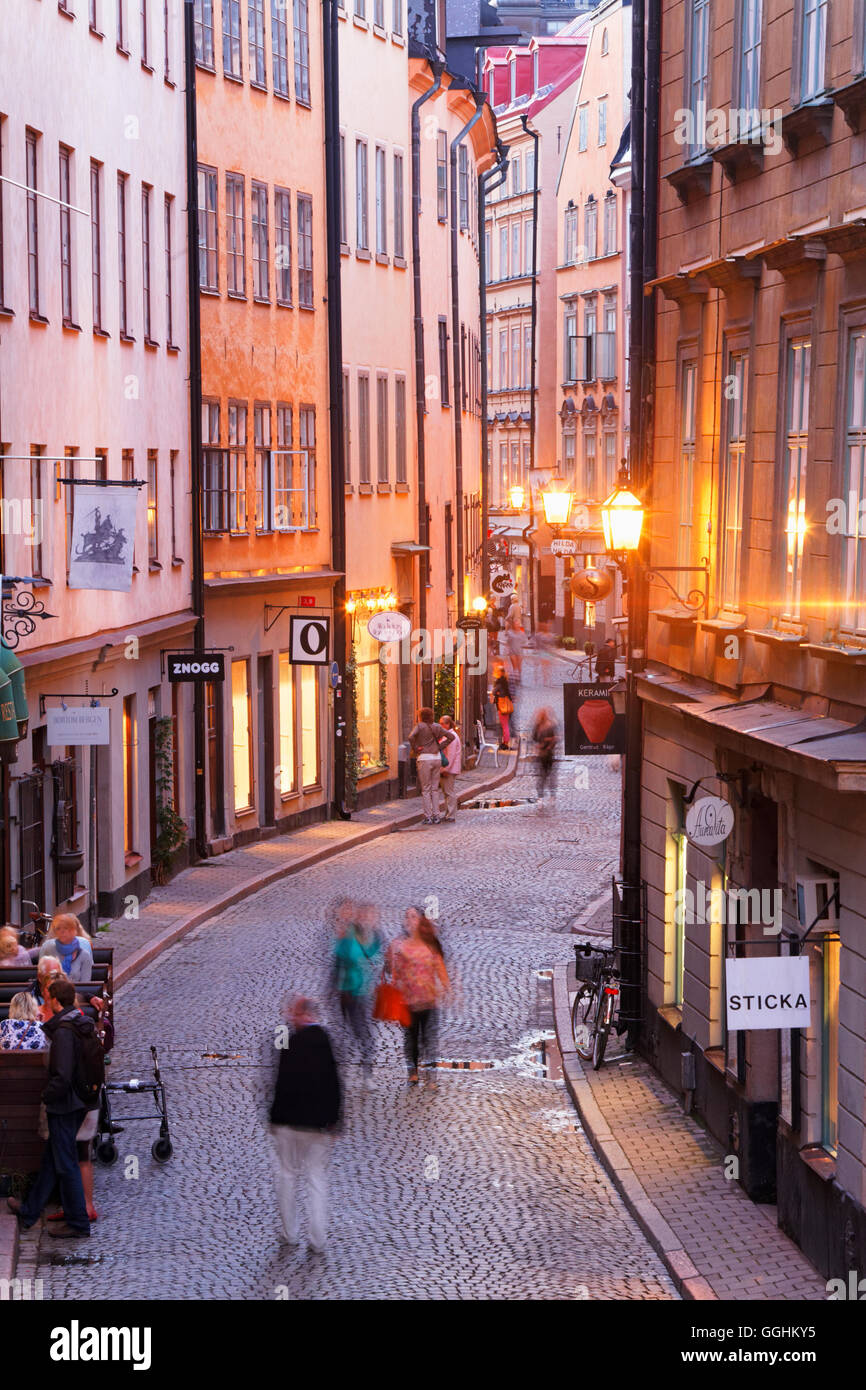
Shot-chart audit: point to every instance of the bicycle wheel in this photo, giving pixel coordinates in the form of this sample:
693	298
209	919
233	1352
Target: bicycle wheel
581	1020
602	1030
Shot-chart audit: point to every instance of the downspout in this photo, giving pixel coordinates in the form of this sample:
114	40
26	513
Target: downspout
532	405
195	459
437	69
491	178
331	73
457	373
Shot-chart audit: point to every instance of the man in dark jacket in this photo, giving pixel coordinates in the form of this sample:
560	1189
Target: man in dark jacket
65	1110
304	1115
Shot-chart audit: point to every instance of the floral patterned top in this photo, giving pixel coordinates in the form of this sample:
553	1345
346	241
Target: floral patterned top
419	973
20	1035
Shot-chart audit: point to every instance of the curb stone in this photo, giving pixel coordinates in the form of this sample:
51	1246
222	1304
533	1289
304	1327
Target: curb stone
657	1231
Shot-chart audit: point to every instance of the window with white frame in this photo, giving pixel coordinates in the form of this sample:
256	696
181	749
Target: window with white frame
302	52
31	175
232	38
527	354
515	355
261	241
280	47
570	352
263	460
307	440
583	127
204	47
442	176
590	228
590	460
813	54
602	120
237	466
798	371
122	268
283	465
382	427
95	242
146	193
610	464
503	250
397	17
363	427
207	229
381	203
515	248
399	233
361	235
698	72
400	451
528	248
610	223
853	613
750	62
607	344
236	274
256	38
66	269
305	250
688	440
570	235
732	479
283	245
503	359
463	186
347	431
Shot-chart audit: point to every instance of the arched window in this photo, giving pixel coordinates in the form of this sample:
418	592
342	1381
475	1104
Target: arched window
604	43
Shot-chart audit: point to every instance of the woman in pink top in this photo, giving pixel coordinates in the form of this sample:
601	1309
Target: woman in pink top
417	966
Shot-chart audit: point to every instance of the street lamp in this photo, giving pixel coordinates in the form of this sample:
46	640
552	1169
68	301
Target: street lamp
517	497
622	518
557	501
480	605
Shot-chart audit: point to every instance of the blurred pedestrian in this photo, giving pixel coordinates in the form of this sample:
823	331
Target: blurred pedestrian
545	736
305	1113
417	966
68	941
12	955
515	637
357	950
428	741
605	661
504	703
448	776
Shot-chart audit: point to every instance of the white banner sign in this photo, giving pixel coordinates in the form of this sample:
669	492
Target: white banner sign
768	992
389	627
79	726
103	537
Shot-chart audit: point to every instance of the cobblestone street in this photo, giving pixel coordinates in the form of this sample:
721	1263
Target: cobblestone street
484	1188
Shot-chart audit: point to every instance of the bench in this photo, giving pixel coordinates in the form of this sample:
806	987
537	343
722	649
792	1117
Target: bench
22	1081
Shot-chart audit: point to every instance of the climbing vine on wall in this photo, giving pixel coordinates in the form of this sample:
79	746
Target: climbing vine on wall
171	830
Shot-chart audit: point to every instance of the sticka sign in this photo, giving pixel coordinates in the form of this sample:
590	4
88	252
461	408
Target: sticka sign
709	821
768	992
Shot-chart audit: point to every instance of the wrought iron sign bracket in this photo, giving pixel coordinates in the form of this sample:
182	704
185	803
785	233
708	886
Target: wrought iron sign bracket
19	612
102	482
92	696
698	600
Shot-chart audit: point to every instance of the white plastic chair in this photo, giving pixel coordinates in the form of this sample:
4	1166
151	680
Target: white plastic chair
484	742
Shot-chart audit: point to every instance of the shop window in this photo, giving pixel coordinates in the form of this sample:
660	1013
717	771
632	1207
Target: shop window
310	726
830	952
287	768
242	743
368	680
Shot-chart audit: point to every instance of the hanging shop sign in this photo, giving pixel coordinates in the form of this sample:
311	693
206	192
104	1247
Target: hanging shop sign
709	821
592	725
103	537
389	626
768	992
83	726
184	666
563	546
502	584
309	641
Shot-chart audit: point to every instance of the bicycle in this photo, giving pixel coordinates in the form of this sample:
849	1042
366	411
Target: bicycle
40	923
595	1002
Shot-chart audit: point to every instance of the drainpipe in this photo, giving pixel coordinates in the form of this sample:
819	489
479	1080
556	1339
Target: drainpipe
331	73
532	406
491	178
457	373
195	459
437	69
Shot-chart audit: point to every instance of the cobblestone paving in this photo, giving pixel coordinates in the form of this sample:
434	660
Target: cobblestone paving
483	1188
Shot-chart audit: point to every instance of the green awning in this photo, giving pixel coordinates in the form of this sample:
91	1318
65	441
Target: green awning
8	722
11	668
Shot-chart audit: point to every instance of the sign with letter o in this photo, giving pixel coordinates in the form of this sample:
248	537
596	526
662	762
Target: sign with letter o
309	641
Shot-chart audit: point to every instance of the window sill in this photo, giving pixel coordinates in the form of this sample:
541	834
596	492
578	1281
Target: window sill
101	333
126	338
206	67
382	258
258	87
401	487
304	102
40	582
97	33
400	262
209	291
671	1014
361	254
693	179
348	489
259	299
812	121
39	318
233	77
151	343
70	327
235	294
674	617
67	14
283	96
172	347
242	811
124	53
727	622
145	67
782	639
344	248
373	770
740	157
830	651
132	859
380	33
822	1163
359	23
6	313
851	101
154	565
383	487
308	308
716	1058
170	83
176	561
399	40
365	489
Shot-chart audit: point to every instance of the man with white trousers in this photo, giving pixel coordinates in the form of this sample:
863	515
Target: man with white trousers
448	776
304	1116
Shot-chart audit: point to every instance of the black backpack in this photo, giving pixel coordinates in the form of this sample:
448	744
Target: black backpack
89	1074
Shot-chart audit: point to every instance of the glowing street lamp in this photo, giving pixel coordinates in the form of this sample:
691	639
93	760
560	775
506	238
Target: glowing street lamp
517	497
557	501
622	519
480	604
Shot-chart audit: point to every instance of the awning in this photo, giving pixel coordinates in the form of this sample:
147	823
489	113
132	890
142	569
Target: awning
14	713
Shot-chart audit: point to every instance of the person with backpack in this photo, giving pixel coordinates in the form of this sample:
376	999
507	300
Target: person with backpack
76	1072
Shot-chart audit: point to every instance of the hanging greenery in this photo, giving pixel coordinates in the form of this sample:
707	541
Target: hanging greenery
350	731
383	712
443	690
171	830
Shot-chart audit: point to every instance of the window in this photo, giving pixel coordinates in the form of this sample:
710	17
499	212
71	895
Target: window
382	423
236	274
237	467
590	228
449	548
172	470
590	474
698	70
527	354
854	533
166	40
361	239
152	505
607	344
731	481
605	45
261	241
797	383
207	229
400	429
830	955
66	272
515	248
381	205
144	50
569	442
582	127
590	366
213	465
570	242
232	38
2	249
283	246
344	234
688	439
442	176
399	243
129	761
309	726
464	394
602	121
443	362
609	224
503	475
121	26
242	742
263	467
96	241
680	861
305	251
368	680
302	52
749	58
307	422
503	359
515	356
610	466
169	272
570	355
31	173
204	33
503	250
37	514
528	249
145	261
360	10
121	255
363	427
347	433
287	769
490	357
813	20
516	174
280	47
463	186
284	461
256	37
397	17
